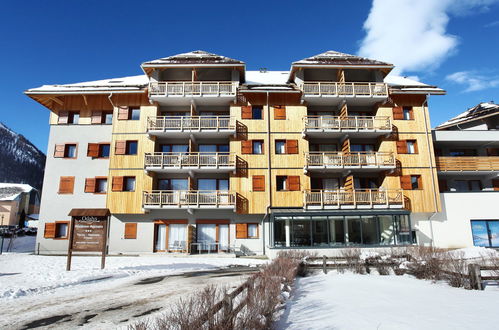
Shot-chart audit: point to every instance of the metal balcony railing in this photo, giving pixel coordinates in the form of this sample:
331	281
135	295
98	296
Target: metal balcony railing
352	89
189	198
350	159
359	198
357	123
188	88
178	160
191	123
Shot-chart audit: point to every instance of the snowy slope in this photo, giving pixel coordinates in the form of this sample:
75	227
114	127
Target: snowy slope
20	160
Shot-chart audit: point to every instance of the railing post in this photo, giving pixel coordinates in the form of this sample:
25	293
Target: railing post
371	198
324	264
227	312
322	198
475	277
354	198
338	197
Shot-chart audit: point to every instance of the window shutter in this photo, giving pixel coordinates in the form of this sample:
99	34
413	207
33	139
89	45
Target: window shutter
59	150
401	147
246	112
398	113
90	185
279	112
131	230
258	182
93	150
120	148
66	184
411	113
49	231
405	182
63	117
416	147
495	184
291	146
247	147
241	230
97	117
294	183
117	184
123	113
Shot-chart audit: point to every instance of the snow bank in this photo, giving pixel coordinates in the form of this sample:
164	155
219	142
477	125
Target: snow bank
350	301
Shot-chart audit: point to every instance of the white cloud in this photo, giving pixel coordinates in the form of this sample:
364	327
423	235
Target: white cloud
413	35
472	80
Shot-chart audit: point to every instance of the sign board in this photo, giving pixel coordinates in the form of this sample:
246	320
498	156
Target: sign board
88	234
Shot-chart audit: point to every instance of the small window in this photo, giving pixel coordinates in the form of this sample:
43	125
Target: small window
101	185
61	230
134	114
70	151
129	183
107	118
468	185
257	147
252	230
131	147
412	147
73	118
104	150
280	147
407	113
416	182
281	183
256	112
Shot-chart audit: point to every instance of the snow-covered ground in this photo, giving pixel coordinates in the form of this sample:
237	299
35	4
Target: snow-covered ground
352	301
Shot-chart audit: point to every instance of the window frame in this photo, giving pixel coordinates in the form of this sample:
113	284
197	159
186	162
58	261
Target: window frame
418	182
66	145
260	109
407	110
283	147
414	144
253	143
125	183
57	224
71	117
284	182
131	112
100	179
128	146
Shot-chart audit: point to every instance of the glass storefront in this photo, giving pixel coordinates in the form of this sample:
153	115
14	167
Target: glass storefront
323	231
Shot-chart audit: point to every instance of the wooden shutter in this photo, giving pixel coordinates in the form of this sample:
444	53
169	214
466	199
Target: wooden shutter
294	183
411	113
49	231
90	185
123	113
120	148
415	146
93	150
246	112
97	117
247	147
118	182
401	147
130	230
241	230
63	117
66	184
291	146
495	184
258	182
279	112
59	150
398	113
405	182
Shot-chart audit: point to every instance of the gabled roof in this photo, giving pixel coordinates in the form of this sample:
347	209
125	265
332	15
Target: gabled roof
479	111
115	85
335	58
404	85
10	191
197	57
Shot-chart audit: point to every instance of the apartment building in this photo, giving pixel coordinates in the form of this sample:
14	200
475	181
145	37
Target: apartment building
467	159
199	155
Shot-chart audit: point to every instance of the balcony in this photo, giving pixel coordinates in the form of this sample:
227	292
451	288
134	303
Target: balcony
182	92
174	162
355	126
189	199
468	165
331	93
339	161
184	126
354	199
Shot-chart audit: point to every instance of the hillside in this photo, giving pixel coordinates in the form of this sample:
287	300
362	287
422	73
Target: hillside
20	160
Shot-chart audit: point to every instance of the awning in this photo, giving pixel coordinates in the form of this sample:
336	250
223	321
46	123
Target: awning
89	212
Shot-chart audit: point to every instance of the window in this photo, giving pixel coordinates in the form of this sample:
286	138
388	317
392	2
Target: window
280	147
412	147
252	230
411	182
246	230
66	184
104	149
101	185
70	151
56	230
172	184
128	113
252	112
131	147
73	118
408	113
257	147
134	114
468	185
129	183
485	233
281	183
107	118
287	183
462	152
415	182
102	117
61	230
98	150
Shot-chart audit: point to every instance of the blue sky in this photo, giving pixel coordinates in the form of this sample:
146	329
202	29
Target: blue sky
452	44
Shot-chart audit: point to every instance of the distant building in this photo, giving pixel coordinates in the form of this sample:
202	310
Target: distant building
18	204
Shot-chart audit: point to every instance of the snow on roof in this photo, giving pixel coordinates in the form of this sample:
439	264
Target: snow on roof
267	77
481	110
10	191
131	83
332	57
405	84
194	57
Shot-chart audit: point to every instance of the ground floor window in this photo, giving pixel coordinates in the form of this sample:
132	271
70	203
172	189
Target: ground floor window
212	237
485	233
338	230
170	236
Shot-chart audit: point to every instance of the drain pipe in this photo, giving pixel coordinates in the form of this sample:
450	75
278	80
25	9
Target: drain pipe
269	172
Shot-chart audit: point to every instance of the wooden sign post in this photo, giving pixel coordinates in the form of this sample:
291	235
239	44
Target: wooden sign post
88	234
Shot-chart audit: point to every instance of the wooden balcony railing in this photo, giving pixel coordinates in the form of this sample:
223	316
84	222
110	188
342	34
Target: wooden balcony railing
350	159
358	123
191	123
172	160
344	89
189	198
359	198
464	163
188	88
